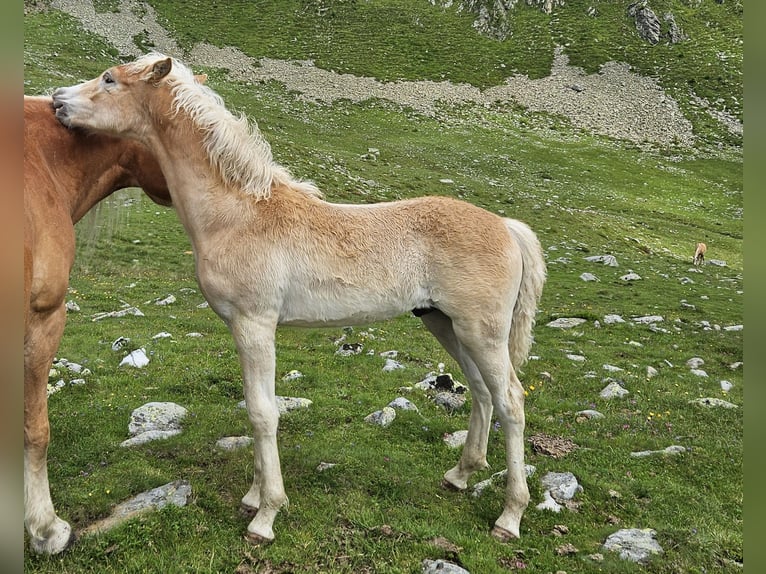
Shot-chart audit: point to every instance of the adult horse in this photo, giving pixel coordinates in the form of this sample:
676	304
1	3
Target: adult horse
66	172
269	251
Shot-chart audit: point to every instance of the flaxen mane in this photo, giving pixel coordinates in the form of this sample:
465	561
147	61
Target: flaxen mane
235	146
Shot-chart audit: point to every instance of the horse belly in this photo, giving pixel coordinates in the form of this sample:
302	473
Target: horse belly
320	307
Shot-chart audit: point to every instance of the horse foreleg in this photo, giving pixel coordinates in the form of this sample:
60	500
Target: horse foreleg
255	345
48	534
474	455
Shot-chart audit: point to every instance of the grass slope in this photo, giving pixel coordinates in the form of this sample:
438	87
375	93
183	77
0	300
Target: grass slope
379	509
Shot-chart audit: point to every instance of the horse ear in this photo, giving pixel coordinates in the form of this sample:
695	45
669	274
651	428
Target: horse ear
161	69
200	78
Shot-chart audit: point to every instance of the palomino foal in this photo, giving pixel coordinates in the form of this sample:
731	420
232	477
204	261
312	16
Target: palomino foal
699	254
270	252
66	172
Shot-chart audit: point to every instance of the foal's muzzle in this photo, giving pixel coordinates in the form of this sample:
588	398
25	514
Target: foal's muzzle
59	106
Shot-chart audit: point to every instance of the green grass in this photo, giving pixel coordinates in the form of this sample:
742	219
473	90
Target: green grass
584	195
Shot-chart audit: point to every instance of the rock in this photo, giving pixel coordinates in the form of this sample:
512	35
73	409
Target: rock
441	567
175	493
166	301
292	376
441	382
674	34
549	503
156	416
647	23
566	322
648	319
148	436
698	372
455	439
162	335
695	363
562	486
612	368
726	386
119	343
233	442
480	487
713	402
613	390
588	414
383	417
631	277
450	401
403	404
609	260
576	358
323	466
651	372
392	365
634	544
72	307
348	349
611	319
734	328
588	277
136	359
129	310
673	449
287	404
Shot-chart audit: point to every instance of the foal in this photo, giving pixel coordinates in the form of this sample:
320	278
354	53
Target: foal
699	254
66	172
269	252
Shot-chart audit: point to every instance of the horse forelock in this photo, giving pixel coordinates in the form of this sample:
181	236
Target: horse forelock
234	145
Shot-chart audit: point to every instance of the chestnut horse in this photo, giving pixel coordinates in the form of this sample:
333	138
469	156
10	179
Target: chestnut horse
269	251
66	173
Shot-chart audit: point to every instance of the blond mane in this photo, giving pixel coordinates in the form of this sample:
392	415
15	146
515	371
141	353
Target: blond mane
235	147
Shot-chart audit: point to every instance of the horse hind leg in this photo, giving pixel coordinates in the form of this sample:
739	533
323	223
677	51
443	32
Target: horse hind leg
474	455
48	534
491	356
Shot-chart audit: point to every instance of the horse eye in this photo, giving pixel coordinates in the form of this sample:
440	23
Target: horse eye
107	77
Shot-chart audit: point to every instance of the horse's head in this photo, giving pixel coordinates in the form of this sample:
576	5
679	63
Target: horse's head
113	103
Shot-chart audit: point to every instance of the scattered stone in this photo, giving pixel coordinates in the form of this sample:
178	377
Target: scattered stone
566	549
612	368
673	449
562	486
455	439
566	322
72	307
734	328
611	319
735	366
156	416
392	365
698	372
589	277
695	363
647	23
609	260
582	416
137	359
233	442
163	335
634	544
323	466
560	530
726	386
480	487
403	404
576	358
119	343
631	277
383	417
450	401
613	390
175	493
129	310
348	349
647	319
442	567
713	402
716	262
166	301
292	376
651	372
441	382
149	436
389	354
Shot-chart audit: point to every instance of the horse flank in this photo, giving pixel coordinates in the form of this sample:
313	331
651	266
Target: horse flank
235	146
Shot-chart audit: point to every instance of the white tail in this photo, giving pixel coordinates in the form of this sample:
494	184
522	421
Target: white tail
532	280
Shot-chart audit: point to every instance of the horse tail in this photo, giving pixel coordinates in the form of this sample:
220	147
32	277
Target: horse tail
532	280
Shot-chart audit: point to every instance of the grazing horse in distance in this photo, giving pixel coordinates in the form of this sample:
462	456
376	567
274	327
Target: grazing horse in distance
699	254
269	251
66	173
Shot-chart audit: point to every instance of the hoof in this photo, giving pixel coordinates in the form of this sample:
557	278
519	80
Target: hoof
503	535
57	544
248	512
447	485
257	539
